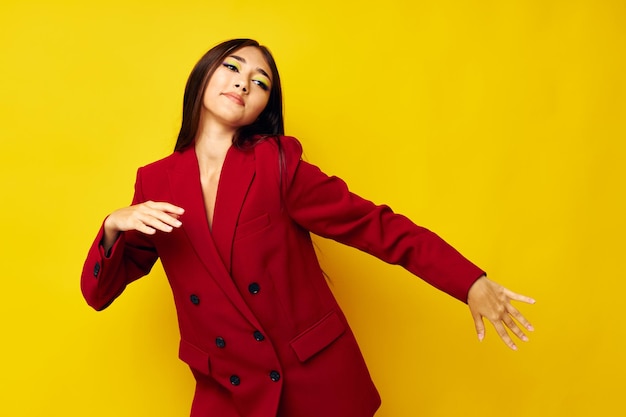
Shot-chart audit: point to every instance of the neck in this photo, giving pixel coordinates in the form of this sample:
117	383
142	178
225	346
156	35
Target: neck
212	144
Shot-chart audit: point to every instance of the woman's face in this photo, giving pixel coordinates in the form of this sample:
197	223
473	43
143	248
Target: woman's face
238	90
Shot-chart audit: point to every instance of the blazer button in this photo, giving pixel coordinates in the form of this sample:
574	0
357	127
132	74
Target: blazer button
254	288
96	269
274	376
234	379
220	342
195	300
258	336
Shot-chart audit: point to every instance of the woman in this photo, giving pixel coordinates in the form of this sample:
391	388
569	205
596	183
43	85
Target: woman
229	214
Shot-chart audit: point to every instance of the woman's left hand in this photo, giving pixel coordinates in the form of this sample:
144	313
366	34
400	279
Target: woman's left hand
490	300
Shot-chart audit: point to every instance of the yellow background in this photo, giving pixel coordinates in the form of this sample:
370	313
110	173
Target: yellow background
498	124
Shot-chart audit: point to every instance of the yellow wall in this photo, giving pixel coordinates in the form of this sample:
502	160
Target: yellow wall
498	124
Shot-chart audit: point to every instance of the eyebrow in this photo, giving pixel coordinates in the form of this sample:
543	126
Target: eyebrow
243	61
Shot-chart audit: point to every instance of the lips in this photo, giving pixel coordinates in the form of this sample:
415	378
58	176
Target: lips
236	98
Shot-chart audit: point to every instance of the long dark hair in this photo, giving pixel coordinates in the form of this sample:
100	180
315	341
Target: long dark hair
270	121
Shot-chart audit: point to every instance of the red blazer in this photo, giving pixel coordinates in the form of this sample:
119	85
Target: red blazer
260	328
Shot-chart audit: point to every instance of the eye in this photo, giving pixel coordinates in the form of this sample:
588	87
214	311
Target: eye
231	66
261	84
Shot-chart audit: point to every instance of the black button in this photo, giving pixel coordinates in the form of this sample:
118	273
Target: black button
195	299
258	336
234	379
96	269
254	288
274	376
220	342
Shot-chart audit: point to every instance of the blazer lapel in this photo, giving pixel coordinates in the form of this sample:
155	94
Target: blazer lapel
186	191
235	180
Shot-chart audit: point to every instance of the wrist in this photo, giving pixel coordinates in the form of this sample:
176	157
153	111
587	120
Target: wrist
110	234
476	285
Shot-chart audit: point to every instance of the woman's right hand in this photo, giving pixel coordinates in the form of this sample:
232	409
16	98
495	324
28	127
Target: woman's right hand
145	217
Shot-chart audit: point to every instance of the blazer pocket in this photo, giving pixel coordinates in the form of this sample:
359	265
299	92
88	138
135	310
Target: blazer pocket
317	337
251	226
195	357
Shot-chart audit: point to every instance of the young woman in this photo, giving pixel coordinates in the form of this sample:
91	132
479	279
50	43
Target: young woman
229	214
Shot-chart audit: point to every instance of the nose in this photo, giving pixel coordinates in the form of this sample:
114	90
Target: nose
243	86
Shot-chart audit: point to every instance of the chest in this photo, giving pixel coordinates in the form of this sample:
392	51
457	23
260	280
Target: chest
209	182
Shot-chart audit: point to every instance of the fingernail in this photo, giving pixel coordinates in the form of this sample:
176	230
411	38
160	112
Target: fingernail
514	347
480	337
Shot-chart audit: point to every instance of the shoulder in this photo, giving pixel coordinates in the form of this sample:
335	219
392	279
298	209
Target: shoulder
284	147
291	144
167	163
279	156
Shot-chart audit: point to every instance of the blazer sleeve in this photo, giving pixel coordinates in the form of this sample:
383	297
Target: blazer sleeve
106	275
324	205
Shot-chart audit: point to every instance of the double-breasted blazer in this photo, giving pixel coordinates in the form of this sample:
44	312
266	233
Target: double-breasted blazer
259	326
